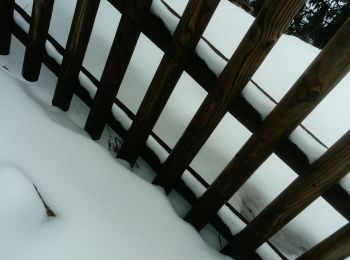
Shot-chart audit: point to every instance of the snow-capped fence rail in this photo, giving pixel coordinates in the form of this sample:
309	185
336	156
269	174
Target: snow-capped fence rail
123	46
253	49
185	39
329	67
156	31
323	173
315	180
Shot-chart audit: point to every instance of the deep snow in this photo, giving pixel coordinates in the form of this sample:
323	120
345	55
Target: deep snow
275	76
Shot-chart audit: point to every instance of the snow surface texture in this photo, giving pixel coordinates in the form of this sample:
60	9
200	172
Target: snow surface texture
319	220
103	210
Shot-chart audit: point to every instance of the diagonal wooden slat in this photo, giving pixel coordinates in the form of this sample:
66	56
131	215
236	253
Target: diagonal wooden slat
189	31
123	46
271	22
38	32
287	151
329	67
336	246
6	25
322	174
78	39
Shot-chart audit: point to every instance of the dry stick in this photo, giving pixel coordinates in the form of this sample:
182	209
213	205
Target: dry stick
79	35
123	46
287	151
329	67
336	246
256	44
327	170
6	24
189	31
38	32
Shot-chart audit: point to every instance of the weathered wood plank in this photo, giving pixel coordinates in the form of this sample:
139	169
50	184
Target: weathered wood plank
271	22
38	32
78	39
189	31
156	31
329	67
123	46
6	25
321	175
336	246
147	154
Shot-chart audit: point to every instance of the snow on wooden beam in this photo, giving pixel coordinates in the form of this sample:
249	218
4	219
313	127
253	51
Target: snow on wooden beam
156	31
78	39
336	246
271	22
6	24
329	67
38	31
322	174
189	31
128	32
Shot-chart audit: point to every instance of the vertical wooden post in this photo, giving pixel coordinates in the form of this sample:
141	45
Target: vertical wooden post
336	246
123	46
329	67
271	22
321	175
79	35
6	24
39	27
189	31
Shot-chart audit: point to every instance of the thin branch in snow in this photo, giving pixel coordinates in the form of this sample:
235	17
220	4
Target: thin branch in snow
49	211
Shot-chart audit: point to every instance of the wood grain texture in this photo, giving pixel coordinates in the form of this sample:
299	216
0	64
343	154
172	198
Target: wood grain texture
256	44
147	154
6	25
322	174
123	46
188	32
38	32
287	151
78	39
329	67
336	246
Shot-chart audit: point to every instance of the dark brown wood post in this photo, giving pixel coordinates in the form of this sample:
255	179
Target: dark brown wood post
79	35
271	22
321	175
329	67
336	246
241	110
123	46
189	31
6	25
38	32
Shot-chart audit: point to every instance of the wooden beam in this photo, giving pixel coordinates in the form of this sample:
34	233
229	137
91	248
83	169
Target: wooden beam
38	32
78	39
147	154
329	67
271	22
336	246
189	31
287	151
123	46
321	175
6	25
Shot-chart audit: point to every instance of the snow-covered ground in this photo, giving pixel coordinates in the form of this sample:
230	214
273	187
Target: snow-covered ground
280	70
104	211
